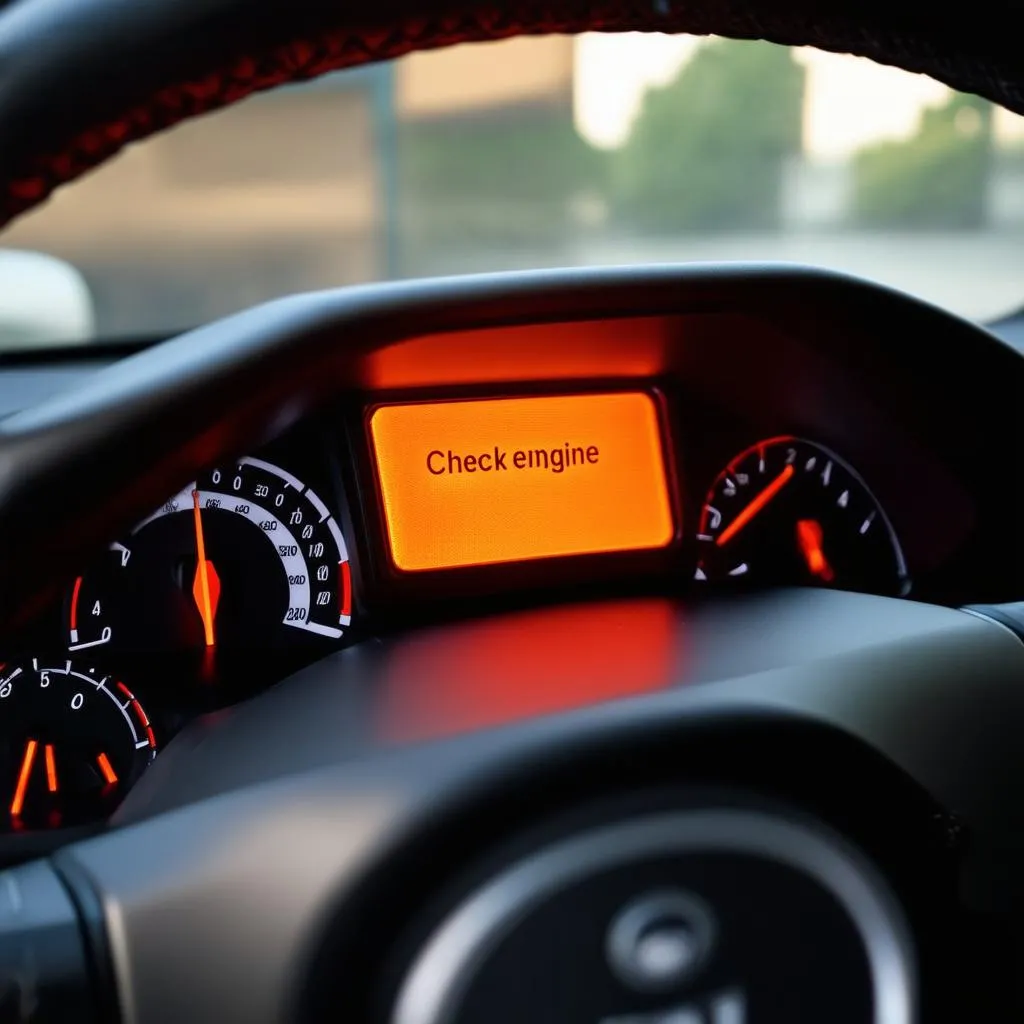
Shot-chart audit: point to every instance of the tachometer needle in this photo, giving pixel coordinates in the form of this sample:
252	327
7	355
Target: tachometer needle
755	506
206	585
809	537
51	768
26	770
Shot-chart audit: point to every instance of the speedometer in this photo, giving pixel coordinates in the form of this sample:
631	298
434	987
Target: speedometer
245	557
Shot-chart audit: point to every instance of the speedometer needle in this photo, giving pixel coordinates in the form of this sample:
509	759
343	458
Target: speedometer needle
206	585
755	506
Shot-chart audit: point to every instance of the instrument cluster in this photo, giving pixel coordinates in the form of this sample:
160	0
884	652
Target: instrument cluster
391	509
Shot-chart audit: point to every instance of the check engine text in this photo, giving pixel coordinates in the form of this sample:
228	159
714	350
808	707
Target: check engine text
500	460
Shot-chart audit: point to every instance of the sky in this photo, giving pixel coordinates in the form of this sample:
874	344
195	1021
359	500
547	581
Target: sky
849	103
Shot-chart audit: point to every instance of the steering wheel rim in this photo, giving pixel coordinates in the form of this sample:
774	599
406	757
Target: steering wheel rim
115	72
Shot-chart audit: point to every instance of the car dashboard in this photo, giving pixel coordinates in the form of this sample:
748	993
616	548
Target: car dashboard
497	444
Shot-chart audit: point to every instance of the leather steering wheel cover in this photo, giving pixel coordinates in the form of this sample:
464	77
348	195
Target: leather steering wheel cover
81	79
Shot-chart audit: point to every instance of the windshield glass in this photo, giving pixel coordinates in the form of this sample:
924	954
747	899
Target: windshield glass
533	152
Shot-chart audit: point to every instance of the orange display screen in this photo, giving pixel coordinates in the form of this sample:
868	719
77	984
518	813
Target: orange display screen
505	480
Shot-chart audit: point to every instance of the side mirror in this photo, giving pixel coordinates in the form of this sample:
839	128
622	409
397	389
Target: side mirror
43	301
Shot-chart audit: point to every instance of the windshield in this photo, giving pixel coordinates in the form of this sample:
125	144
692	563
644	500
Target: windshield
534	152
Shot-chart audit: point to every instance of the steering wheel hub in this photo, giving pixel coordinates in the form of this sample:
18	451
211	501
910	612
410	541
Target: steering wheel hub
718	916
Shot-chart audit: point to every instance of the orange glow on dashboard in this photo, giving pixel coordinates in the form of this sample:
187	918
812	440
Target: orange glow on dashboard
503	480
582	350
521	666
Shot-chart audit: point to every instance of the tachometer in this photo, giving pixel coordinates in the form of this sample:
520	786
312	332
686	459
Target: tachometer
71	743
788	511
243	558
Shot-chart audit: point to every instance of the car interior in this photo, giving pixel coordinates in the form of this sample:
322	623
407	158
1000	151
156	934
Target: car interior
460	570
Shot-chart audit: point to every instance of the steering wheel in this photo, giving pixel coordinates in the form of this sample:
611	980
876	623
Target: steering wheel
828	827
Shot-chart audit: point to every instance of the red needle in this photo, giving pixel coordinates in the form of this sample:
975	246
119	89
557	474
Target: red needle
51	768
107	768
755	506
206	575
809	537
26	770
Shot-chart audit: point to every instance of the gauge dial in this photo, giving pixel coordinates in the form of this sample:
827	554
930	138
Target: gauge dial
788	511
71	743
246	557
